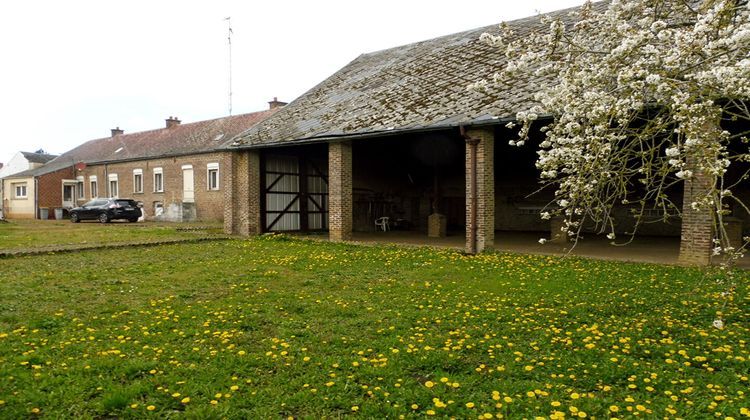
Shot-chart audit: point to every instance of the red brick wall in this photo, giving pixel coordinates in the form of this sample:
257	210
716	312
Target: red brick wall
340	198
697	224
485	171
50	189
209	204
242	195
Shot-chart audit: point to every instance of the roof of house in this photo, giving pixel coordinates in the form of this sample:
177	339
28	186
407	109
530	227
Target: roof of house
34	157
182	139
417	86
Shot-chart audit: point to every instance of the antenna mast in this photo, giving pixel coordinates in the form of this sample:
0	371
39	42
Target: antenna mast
229	39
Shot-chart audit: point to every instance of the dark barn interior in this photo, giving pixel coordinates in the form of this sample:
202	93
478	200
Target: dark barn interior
408	177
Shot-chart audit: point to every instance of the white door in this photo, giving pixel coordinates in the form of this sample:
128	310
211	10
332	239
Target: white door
188	185
68	200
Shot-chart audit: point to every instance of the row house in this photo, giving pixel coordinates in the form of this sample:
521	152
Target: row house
176	172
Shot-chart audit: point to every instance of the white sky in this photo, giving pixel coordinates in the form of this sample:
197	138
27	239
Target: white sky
71	70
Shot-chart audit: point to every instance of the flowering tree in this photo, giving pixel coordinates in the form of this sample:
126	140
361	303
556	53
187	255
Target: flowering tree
639	92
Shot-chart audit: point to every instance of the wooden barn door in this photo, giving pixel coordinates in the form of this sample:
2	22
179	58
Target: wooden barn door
295	195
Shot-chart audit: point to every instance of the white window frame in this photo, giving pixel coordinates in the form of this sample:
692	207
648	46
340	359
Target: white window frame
159	171
20	185
80	191
137	181
212	167
94	186
114	192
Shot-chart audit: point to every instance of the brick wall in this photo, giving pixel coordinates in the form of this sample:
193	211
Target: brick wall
485	199
242	196
340	199
50	189
209	204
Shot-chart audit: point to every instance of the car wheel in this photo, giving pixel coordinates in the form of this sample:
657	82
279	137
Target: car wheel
103	218
74	218
133	219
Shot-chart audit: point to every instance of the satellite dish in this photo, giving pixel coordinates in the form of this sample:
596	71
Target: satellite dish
80	166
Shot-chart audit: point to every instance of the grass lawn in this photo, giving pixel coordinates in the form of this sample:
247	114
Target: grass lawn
275	327
30	234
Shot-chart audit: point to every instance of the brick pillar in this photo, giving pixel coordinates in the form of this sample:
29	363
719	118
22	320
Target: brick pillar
228	182
697	225
242	194
340	211
485	189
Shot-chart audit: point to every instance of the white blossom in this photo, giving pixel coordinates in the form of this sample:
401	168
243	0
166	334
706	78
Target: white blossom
614	66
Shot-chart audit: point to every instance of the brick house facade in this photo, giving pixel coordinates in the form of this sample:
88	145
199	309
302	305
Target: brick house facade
177	172
208	199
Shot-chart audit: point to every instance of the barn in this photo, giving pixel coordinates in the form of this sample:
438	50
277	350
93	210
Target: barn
395	141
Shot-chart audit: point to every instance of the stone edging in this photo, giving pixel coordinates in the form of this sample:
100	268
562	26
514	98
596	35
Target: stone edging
9	253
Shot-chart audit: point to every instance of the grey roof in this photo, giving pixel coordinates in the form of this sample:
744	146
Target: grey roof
34	157
419	86
182	139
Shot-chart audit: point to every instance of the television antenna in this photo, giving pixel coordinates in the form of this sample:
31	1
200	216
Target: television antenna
229	39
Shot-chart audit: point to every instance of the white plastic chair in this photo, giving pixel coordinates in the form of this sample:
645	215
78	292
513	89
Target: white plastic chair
383	223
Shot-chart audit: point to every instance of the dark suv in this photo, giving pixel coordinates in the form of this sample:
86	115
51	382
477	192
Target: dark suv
106	209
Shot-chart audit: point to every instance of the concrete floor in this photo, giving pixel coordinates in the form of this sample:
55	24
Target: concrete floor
661	250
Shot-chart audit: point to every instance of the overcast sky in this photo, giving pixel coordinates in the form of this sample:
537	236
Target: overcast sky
71	70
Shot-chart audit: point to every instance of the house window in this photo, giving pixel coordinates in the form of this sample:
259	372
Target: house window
79	188
19	190
213	176
158	180
114	186
94	186
137	180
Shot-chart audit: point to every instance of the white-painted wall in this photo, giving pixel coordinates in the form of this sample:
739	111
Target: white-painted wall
15	165
14	208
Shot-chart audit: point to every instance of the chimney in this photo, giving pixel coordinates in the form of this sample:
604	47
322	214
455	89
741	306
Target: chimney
116	131
172	122
275	103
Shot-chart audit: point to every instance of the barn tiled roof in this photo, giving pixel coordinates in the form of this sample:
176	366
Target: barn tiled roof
182	139
34	157
413	87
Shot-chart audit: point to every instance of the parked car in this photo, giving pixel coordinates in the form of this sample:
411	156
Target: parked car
106	209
